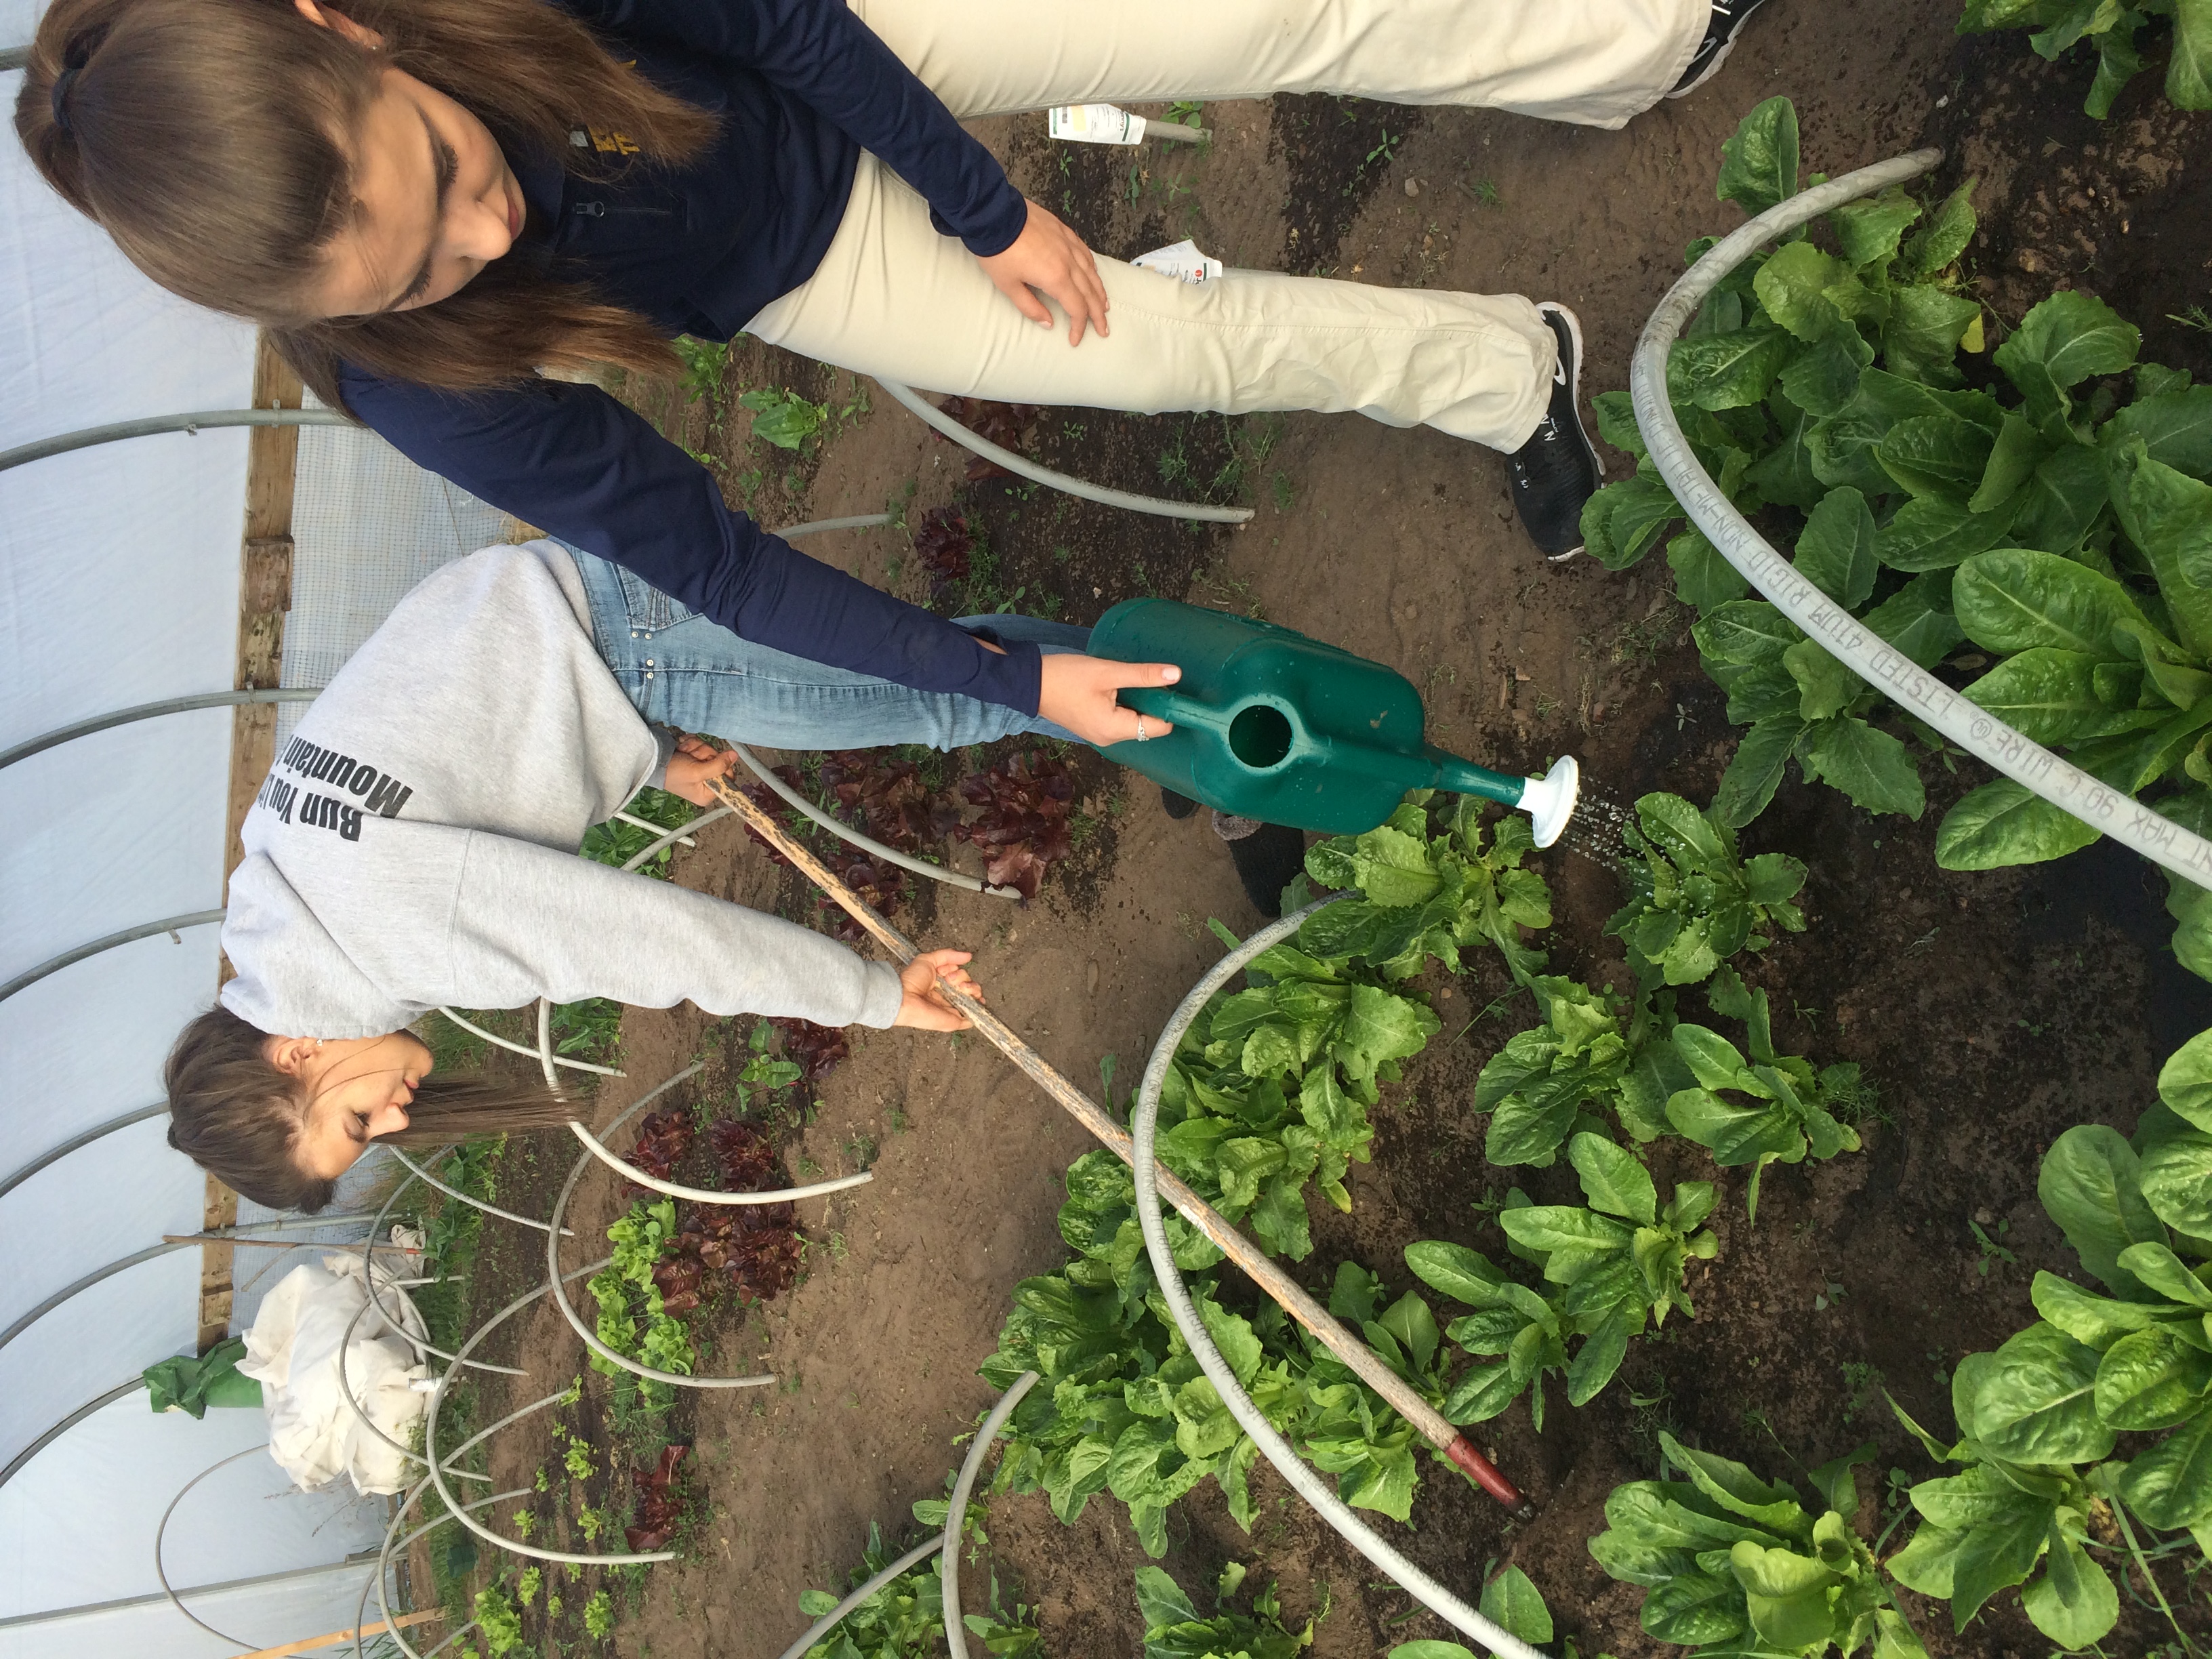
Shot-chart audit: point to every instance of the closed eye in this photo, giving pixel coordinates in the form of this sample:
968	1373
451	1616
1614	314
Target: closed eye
446	165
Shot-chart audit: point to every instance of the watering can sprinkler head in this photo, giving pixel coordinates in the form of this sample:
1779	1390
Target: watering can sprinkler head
1550	800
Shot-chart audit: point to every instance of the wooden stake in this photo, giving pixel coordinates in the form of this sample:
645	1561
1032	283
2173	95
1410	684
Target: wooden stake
1434	1426
307	1644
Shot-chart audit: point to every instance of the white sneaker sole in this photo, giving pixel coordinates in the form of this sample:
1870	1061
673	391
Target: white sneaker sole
1712	69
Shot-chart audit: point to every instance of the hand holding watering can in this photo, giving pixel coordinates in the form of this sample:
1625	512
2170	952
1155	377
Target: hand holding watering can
1273	726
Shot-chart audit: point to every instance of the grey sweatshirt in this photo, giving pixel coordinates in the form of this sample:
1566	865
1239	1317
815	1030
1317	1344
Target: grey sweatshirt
415	842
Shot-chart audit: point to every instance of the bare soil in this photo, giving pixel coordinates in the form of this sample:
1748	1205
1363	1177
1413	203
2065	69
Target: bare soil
1992	1012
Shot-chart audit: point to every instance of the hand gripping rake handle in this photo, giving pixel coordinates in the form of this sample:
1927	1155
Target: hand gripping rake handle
1431	1422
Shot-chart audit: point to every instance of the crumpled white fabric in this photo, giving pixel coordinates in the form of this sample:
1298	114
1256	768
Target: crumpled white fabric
293	1349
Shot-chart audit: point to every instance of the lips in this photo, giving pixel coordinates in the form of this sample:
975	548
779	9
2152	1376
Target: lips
514	220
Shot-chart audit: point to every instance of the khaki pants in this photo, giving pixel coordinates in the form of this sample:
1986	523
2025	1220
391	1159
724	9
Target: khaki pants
895	298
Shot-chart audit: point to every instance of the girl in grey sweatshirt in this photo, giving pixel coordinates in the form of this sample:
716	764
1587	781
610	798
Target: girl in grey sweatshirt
414	844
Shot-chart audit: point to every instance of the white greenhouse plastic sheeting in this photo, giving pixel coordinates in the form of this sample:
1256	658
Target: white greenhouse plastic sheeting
120	587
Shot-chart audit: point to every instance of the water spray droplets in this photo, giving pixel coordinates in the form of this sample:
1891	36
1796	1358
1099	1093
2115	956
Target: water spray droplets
1595	831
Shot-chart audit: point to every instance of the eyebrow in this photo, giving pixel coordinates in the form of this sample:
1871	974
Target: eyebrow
442	159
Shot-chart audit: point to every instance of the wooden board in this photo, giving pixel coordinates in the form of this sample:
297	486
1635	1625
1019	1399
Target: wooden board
264	594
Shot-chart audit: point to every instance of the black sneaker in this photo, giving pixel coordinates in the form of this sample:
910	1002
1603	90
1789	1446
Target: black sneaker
1268	858
1558	468
1176	806
1721	30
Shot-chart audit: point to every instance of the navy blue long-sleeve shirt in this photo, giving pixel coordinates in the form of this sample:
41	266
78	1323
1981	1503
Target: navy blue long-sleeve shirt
801	88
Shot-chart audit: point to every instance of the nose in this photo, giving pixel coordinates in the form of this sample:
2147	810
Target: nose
388	1119
477	229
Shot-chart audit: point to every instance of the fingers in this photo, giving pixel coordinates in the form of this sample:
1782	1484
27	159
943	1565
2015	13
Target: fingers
1027	302
1119	674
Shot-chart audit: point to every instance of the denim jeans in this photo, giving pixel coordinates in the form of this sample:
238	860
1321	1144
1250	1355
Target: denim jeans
682	670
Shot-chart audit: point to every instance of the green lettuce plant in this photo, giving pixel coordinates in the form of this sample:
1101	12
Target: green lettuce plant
1424	895
631	1318
1784	1114
1592	1053
1270	1087
1694	900
1736	1567
1510	1601
1172	1629
1123	1407
905	1619
2114	30
1810	371
2040	1496
1616	1264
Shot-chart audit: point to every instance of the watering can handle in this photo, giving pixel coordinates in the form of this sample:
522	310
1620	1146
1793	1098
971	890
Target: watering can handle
1164	705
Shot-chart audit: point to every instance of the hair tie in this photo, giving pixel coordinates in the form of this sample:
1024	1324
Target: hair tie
62	83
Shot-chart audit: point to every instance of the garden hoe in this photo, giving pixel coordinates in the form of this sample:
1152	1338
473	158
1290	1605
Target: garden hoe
1440	1433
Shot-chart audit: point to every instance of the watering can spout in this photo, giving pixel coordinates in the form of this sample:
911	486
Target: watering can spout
1549	801
1270	725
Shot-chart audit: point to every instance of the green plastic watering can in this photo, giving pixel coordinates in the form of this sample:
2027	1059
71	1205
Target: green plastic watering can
1271	724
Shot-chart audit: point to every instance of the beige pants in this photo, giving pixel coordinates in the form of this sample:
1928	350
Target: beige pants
894	298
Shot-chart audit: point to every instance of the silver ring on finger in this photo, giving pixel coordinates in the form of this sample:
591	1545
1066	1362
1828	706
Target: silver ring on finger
1141	733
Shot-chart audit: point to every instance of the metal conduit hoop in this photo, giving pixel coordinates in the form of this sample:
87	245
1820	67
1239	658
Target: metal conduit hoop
98	1402
162	1531
907	398
98	1275
1143	1124
144	930
147	711
84	1138
556	1281
153	425
1849	641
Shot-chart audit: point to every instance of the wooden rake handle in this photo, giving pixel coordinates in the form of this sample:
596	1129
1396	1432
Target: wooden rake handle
1363	1359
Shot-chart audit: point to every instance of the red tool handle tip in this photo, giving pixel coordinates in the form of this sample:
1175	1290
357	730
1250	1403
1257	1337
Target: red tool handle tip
1483	1473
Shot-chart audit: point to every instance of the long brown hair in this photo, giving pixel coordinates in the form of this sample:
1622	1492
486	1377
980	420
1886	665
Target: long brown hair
237	1116
204	135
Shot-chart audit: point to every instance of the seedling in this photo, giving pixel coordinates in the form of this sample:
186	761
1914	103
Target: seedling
599	1615
1993	1250
783	417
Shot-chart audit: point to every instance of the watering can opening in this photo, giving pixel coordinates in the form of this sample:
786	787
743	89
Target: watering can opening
1259	736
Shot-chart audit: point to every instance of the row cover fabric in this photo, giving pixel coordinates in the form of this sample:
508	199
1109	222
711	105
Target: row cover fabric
293	1352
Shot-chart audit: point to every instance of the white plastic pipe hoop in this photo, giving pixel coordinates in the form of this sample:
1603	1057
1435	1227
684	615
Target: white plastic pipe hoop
696	1195
1851	643
556	1284
438	1470
524	1048
1144	1126
866	843
1023	467
956	1513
